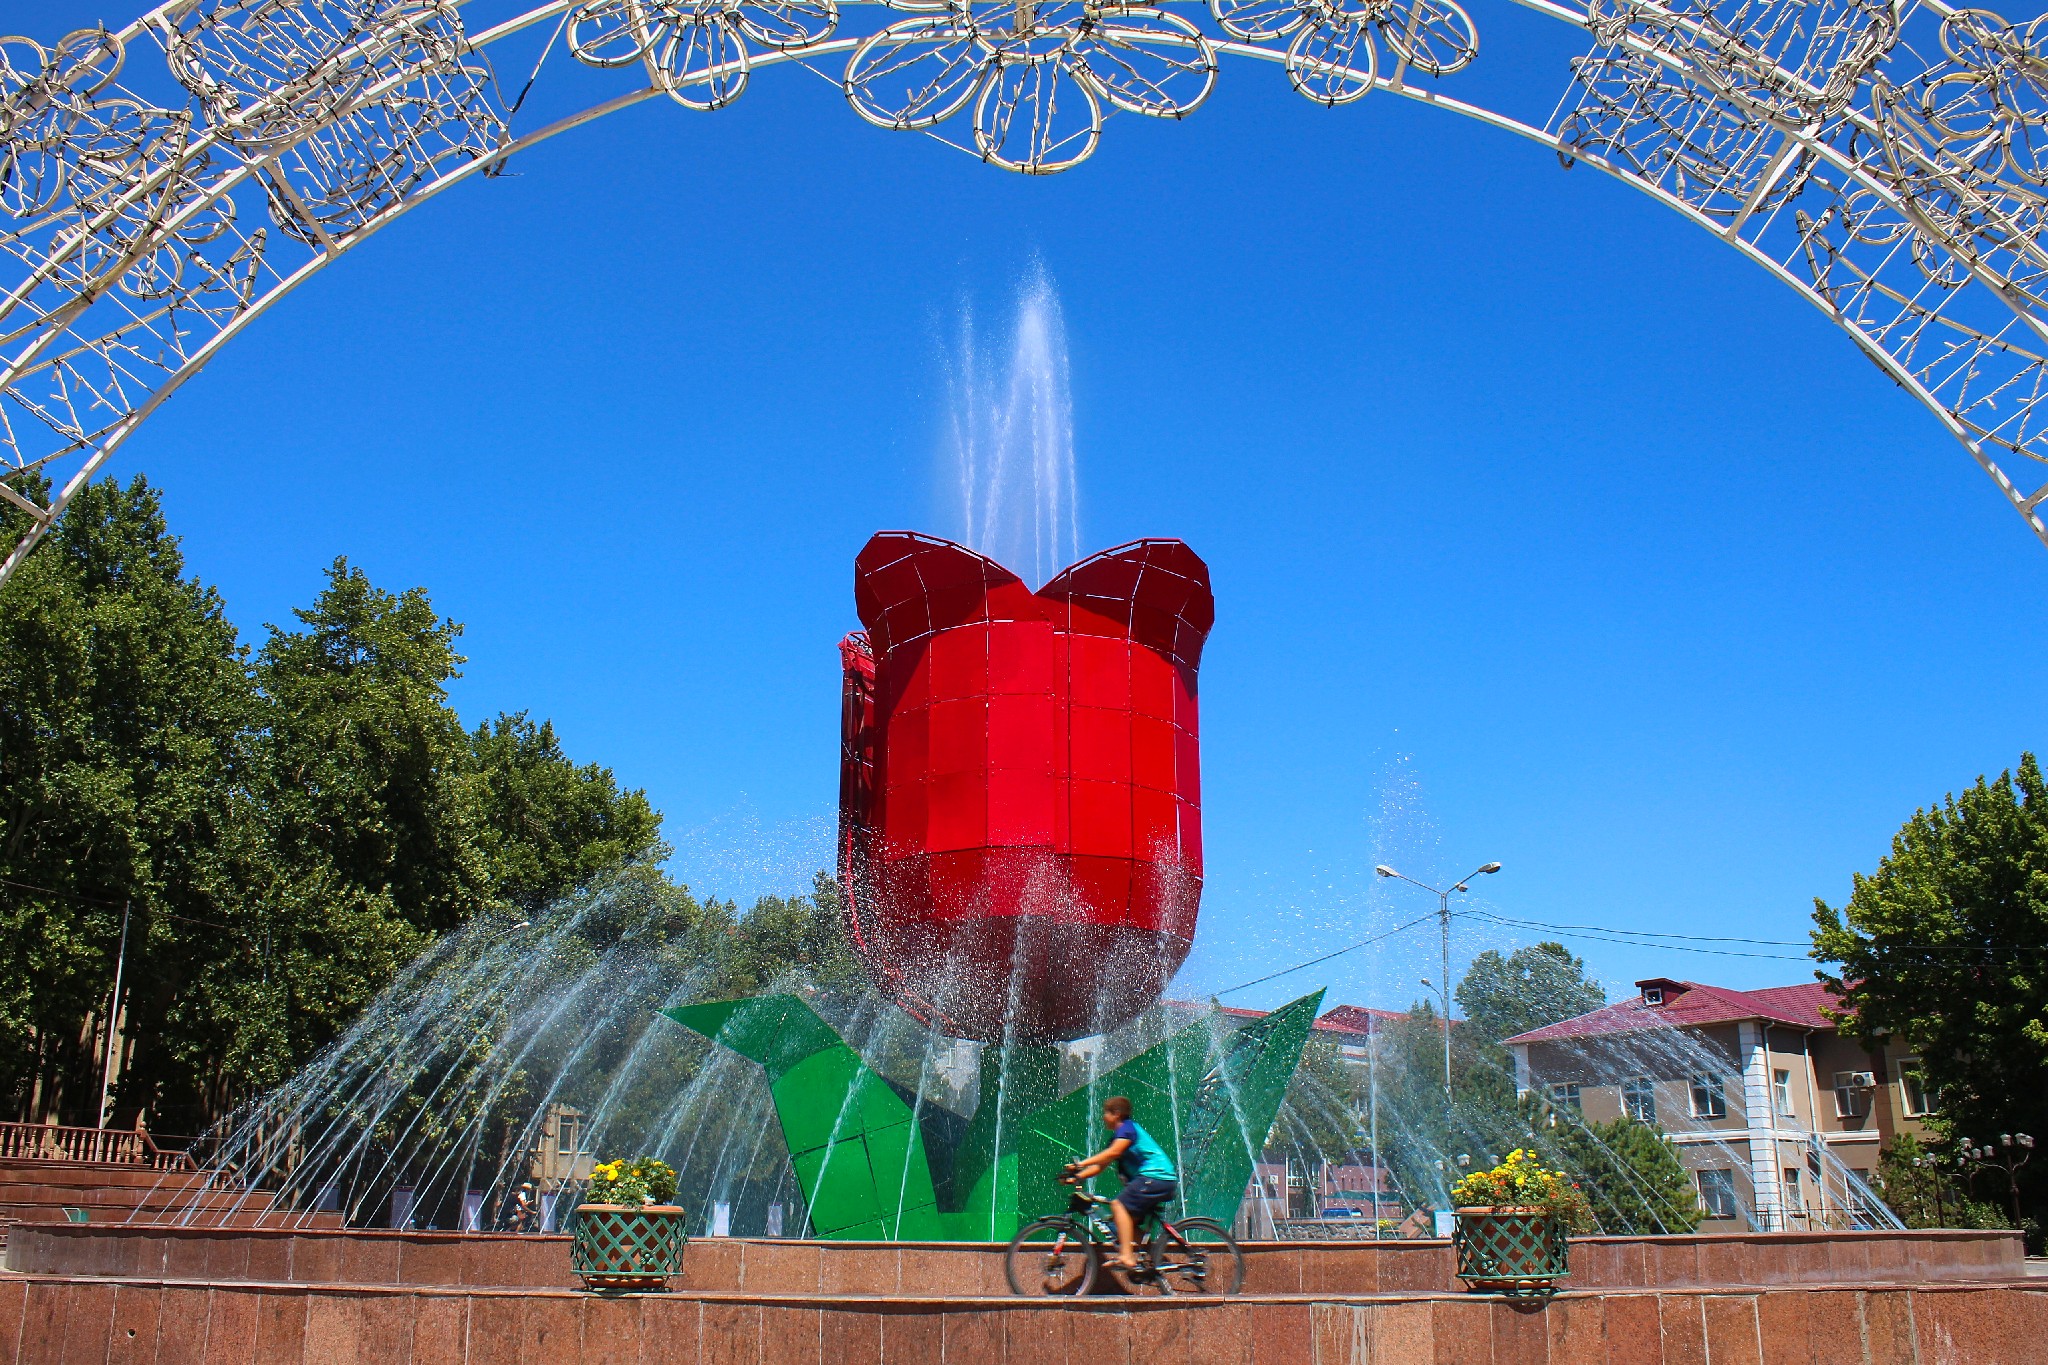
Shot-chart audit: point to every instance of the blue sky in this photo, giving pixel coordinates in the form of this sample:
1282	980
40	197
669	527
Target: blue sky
1543	527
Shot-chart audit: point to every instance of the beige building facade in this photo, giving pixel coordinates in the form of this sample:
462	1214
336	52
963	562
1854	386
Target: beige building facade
1776	1113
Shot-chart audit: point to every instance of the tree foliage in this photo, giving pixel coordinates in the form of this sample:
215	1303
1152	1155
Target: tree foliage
1946	946
1528	988
547	824
286	830
1630	1172
128	720
1921	1188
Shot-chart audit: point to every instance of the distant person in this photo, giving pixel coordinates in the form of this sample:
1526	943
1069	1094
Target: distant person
1149	1175
525	1211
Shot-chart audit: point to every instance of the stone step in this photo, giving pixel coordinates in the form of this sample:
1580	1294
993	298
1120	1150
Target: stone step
88	1175
40	1191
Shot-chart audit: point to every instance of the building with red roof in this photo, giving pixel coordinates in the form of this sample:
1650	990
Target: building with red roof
1776	1111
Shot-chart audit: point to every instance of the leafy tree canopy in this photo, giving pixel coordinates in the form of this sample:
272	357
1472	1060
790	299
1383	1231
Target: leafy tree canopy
1921	1188
546	824
1630	1172
1527	989
285	830
128	721
1946	946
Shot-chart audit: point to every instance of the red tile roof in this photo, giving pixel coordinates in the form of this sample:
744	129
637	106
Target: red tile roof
1356	1019
1689	1004
1353	1019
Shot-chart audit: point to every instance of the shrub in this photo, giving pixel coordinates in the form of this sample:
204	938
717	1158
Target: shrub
643	1180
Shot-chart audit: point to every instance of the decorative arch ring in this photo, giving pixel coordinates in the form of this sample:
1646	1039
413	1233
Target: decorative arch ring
162	186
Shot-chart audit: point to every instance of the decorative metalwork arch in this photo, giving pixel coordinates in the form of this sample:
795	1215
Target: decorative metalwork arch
162	185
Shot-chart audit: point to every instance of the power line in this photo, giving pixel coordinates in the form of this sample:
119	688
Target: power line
1643	933
61	895
1680	947
1362	943
95	900
1635	937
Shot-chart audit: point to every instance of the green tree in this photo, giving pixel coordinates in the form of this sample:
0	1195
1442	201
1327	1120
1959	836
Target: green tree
1630	1172
287	833
547	825
1919	1187
369	807
371	793
126	731
791	936
1946	946
1527	989
1422	1132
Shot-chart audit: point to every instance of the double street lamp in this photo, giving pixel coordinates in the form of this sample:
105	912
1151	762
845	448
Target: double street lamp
1443	897
2013	1151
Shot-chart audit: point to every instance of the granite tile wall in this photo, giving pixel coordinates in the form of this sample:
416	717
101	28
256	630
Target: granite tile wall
56	1321
791	1267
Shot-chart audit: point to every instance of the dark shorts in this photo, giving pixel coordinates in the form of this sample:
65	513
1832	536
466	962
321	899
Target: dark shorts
1144	1193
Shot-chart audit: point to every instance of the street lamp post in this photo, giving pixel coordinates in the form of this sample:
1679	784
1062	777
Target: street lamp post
2013	1151
1931	1164
1443	897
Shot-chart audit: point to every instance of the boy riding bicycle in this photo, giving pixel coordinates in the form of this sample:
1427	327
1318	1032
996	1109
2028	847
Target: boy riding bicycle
1149	1175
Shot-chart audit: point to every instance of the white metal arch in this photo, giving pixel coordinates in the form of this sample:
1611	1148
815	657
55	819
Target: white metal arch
162	186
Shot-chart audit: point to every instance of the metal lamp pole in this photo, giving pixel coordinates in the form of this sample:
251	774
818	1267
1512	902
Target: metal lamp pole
1443	898
2013	1151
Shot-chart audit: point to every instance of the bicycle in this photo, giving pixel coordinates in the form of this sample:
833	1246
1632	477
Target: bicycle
1062	1253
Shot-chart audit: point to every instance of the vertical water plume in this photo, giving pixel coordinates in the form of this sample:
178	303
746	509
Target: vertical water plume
1010	433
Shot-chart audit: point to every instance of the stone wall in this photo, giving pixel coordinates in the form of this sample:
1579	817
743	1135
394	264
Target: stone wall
49	1321
793	1267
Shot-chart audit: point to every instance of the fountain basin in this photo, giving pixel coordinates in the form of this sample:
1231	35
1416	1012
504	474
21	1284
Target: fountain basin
161	1294
780	1266
47	1319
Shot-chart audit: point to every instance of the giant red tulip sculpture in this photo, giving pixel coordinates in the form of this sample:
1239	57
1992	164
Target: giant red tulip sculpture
1020	791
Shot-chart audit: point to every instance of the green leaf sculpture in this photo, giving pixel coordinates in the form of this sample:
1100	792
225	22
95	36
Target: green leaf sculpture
877	1162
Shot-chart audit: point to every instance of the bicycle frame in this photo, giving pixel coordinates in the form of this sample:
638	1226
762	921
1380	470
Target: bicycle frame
1092	1210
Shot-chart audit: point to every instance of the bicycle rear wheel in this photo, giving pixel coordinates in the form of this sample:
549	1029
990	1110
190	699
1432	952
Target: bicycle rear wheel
1051	1256
1197	1256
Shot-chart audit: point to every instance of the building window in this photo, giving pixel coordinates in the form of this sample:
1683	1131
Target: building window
1795	1193
1717	1193
1709	1097
1852	1093
1913	1091
1639	1099
565	1136
1566	1096
1653	995
1781	1092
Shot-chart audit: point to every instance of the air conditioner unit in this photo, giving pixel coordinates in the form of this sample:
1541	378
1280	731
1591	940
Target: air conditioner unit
1858	1080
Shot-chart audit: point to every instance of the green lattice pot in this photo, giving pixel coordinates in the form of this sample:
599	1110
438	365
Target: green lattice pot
1510	1250
621	1247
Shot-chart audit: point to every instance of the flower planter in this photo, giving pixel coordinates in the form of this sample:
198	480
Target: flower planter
1512	1250
622	1247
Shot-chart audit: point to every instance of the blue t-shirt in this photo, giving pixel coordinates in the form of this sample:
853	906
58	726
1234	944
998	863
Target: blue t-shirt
1144	1156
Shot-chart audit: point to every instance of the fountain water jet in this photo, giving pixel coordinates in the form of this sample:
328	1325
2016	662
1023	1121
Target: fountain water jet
1010	436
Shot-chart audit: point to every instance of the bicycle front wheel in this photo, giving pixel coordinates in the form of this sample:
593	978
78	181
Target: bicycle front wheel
1197	1256
1051	1256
